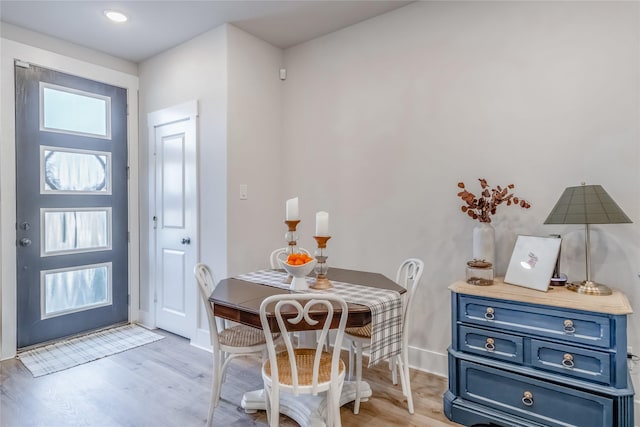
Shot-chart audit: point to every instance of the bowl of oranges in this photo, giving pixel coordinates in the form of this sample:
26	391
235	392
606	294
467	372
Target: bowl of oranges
298	265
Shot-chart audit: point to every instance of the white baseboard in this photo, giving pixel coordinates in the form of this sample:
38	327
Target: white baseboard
201	340
428	361
146	319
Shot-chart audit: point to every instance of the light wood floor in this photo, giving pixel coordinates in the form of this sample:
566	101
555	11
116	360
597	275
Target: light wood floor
166	383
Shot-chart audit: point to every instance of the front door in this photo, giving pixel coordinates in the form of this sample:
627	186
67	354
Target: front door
71	182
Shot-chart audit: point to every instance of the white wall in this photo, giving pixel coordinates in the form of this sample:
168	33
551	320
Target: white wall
10	50
384	118
254	144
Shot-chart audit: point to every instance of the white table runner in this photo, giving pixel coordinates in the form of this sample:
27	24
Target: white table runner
385	306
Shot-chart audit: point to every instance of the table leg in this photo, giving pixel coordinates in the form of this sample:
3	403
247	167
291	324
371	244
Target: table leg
306	410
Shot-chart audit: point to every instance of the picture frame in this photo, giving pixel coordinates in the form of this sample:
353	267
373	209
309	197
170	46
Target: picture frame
532	262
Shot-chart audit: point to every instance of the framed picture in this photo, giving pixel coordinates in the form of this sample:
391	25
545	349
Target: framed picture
532	262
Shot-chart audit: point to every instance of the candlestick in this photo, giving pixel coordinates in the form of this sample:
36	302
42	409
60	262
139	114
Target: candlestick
292	239
321	267
291	236
292	210
322	223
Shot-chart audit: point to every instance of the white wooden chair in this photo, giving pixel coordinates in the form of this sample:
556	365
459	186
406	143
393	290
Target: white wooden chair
227	343
408	276
303	370
281	253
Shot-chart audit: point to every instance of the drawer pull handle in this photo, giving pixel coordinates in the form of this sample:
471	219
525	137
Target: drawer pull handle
567	360
527	398
568	326
489	314
490	345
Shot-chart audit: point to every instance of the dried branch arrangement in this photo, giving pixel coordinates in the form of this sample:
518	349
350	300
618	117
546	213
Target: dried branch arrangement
482	207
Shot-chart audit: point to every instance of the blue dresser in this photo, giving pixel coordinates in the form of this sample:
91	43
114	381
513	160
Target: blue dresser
521	357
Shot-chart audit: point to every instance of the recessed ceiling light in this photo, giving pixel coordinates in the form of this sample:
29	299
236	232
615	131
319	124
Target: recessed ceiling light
115	16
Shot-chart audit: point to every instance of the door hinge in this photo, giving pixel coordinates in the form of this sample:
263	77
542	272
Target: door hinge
21	64
128	299
128	172
155	222
128	236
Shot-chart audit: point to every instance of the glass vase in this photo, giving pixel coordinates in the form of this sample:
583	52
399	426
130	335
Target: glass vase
484	242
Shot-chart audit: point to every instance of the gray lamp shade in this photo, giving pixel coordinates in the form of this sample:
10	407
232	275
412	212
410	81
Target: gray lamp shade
586	204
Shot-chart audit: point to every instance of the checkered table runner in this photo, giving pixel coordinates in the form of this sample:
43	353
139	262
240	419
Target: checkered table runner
385	306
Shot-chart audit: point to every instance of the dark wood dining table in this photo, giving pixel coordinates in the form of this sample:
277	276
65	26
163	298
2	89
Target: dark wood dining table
239	301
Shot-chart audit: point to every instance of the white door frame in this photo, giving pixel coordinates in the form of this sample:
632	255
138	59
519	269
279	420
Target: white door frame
14	50
181	112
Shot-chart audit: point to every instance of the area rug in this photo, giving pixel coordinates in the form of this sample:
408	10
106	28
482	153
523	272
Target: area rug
77	351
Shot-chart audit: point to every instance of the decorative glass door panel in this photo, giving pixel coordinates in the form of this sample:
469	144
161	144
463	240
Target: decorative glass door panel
74	231
65	291
71	176
74	171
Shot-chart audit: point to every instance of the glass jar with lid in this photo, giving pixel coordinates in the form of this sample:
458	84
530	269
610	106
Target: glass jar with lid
479	272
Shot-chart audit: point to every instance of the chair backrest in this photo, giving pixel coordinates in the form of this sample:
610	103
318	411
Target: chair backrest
281	253
314	309
408	276
206	285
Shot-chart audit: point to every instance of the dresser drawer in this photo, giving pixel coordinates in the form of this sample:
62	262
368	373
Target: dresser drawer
571	361
566	325
496	345
532	399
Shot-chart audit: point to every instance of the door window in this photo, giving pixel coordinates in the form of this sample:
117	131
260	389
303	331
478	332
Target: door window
68	110
74	231
74	171
70	290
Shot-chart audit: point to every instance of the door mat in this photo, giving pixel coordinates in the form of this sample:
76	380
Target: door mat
77	351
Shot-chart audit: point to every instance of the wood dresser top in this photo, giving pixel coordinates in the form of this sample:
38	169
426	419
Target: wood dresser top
556	296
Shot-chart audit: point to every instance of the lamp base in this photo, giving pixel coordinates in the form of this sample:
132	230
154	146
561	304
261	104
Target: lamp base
560	280
588	287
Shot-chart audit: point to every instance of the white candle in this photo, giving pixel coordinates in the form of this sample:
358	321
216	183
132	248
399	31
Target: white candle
322	224
292	210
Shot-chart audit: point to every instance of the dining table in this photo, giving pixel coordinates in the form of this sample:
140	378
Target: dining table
238	299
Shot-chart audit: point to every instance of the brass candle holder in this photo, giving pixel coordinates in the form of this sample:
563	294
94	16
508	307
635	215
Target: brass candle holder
291	236
292	239
321	267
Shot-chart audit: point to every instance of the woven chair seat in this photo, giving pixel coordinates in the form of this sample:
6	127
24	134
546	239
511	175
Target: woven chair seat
362	332
243	336
304	360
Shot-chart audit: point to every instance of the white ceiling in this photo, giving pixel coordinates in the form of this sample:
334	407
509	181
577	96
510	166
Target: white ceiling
155	26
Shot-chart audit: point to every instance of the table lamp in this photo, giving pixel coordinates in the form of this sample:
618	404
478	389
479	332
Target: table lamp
587	204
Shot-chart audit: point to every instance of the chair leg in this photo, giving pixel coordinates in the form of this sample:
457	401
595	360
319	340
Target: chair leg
333	404
405	380
356	405
212	405
274	418
215	387
351	360
267	402
393	367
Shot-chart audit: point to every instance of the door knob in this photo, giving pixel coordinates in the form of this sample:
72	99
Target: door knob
186	240
25	242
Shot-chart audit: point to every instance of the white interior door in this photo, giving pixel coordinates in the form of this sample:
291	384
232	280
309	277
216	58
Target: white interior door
175	219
